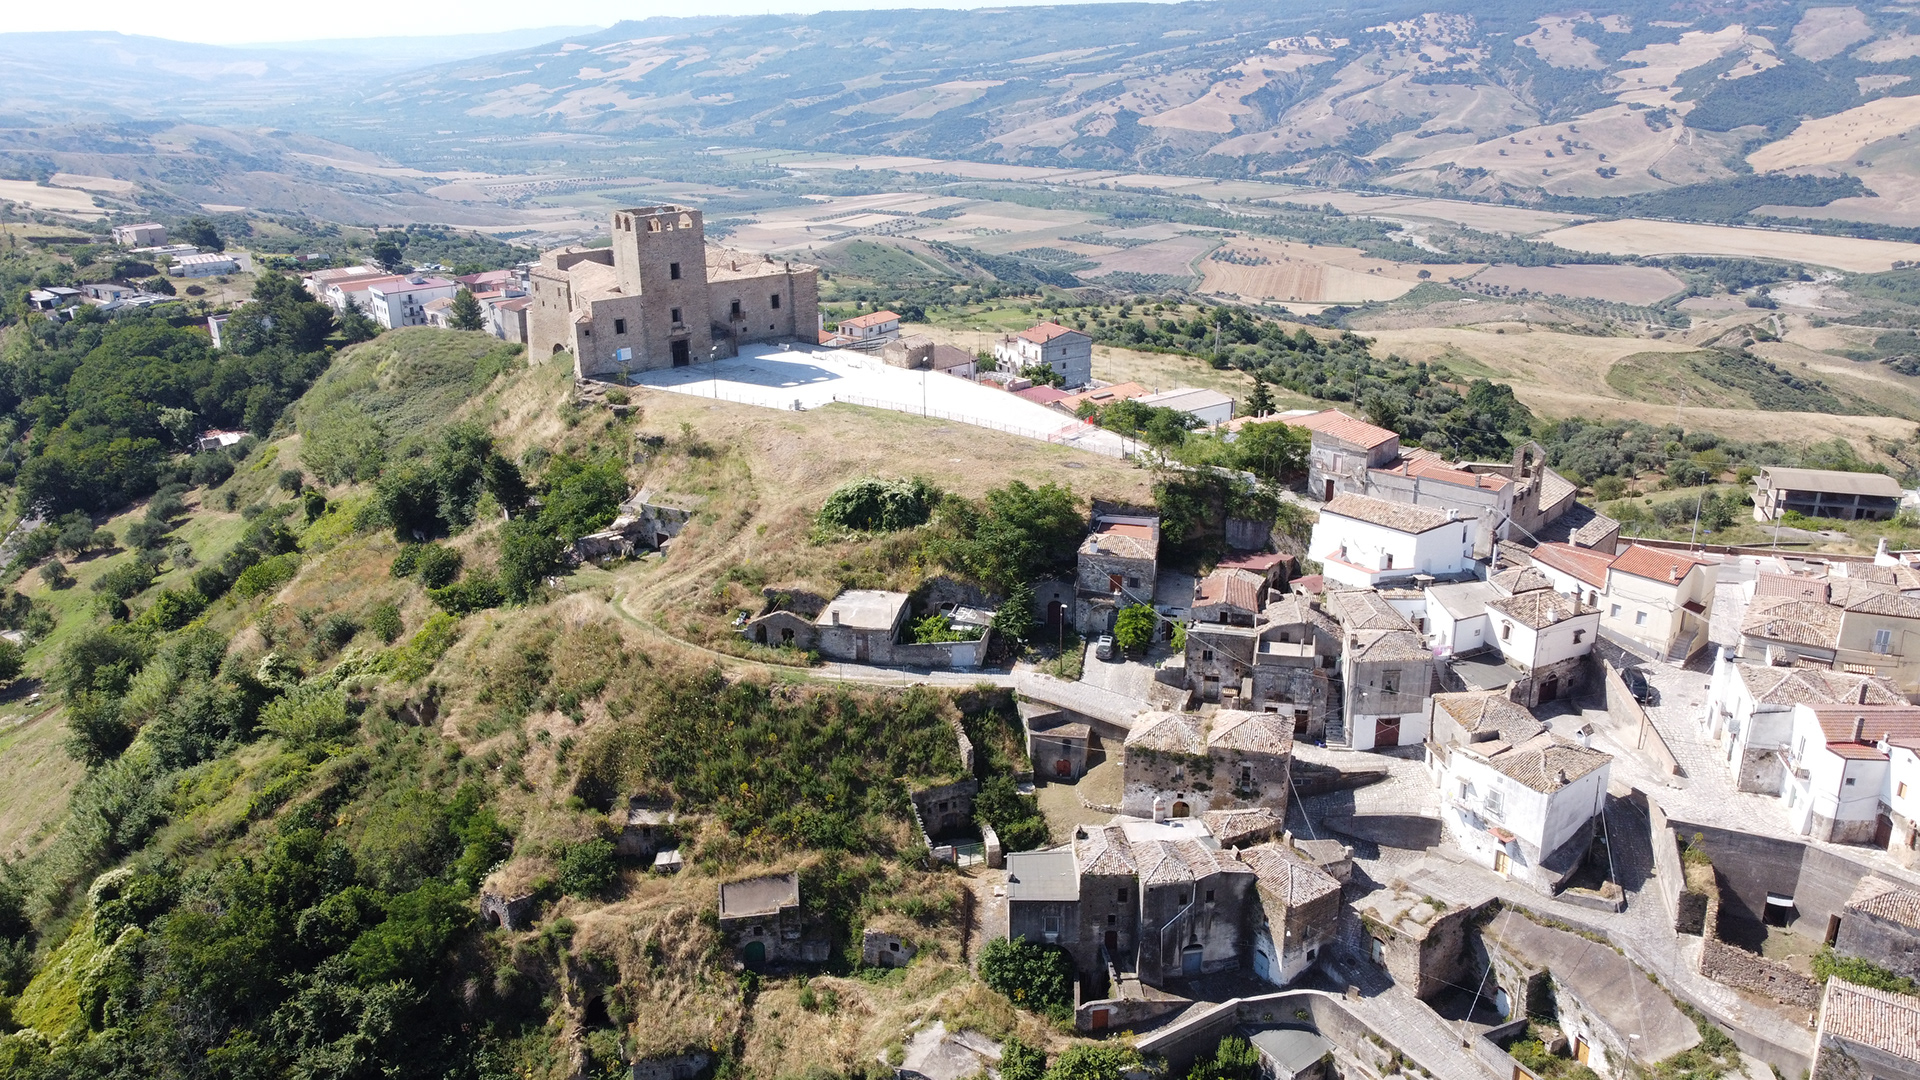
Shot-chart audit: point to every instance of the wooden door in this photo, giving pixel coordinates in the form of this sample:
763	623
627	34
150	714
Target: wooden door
1501	864
1582	1051
1386	732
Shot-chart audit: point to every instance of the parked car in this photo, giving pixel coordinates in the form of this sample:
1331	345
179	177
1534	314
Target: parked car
1642	690
1103	649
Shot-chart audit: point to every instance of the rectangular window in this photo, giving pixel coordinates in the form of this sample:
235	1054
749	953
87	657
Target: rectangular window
736	309
1883	641
1209	896
1112	919
1390	682
1615	613
774	301
1578	635
1120	896
1496	803
673	271
676	316
1900	792
1206	655
619	326
1640	618
1113	582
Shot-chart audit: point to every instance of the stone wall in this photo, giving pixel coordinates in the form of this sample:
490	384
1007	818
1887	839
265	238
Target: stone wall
1645	736
1880	941
1732	966
1669	878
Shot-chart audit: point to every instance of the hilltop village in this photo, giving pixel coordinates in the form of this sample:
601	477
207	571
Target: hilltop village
1422	770
1464	786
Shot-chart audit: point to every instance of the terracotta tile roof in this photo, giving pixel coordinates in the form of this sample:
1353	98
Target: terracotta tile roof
1364	609
1251	732
1160	863
1231	827
1426	468
1887	900
1596	529
1881	1019
1545	763
862	322
1296	609
1338	425
1259	562
1791	585
1520	579
1124	539
1872	598
1390	646
1794	686
1796	622
1169	732
1234	588
1104	852
1655	564
1554	487
1583	564
1490	710
1400	517
1044	332
1836	721
1540	608
1287	877
1042	395
1899	575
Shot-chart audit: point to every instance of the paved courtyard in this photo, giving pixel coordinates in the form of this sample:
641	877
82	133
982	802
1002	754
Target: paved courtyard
807	377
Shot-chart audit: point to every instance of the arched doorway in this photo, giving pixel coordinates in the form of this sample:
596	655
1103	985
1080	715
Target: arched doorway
1190	959
1180	808
755	954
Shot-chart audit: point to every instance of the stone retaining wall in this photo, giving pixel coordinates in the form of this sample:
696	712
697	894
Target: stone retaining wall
1732	966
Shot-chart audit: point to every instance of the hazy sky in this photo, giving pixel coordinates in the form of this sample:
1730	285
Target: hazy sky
235	21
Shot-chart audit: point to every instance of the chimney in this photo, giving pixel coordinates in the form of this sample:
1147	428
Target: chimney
1584	736
1863	693
1562	777
1673	573
836	616
1859	727
1453	514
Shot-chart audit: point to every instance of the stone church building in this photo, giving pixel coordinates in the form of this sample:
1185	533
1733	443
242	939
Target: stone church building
659	297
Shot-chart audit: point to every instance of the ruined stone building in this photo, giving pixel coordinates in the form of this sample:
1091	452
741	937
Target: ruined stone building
659	297
1881	925
762	920
1386	673
1284	662
1183	764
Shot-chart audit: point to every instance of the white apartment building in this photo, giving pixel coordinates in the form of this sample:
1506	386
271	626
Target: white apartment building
206	264
403	301
1524	811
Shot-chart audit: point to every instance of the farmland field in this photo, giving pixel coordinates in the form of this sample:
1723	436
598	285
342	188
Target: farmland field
1637	236
1620	284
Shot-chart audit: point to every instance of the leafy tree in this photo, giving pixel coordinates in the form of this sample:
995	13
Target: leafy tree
1014	617
200	233
528	555
1023	534
1033	976
502	479
13	660
125	581
354	325
406	494
465	314
56	576
1233	1059
459	467
384	620
1272	451
1260	401
145	535
387	254
582	497
477	593
291	481
1133	627
159	283
436	565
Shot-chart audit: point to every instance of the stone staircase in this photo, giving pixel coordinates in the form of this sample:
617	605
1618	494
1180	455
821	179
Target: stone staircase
1682	647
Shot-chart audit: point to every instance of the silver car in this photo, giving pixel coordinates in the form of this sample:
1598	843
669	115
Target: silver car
1103	649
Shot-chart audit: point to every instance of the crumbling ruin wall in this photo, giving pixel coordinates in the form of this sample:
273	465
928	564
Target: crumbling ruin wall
1732	966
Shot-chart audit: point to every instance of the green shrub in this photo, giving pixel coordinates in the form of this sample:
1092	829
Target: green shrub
1828	964
1094	1061
126	580
870	504
1035	977
588	869
1133	628
436	565
1018	1061
477	593
384	620
173	609
267	575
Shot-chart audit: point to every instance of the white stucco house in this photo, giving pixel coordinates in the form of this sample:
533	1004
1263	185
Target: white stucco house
1839	770
1525	811
1656	602
1367	542
403	301
1062	348
1749	712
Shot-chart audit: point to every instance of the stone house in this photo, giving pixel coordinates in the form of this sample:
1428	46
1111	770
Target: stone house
1058	747
658	297
1865	1032
1881	925
1839	778
1482	716
1158	901
1118	566
1420	942
946	811
881	949
1282	663
861	625
762	920
1386	673
1749	712
1067	351
1300	910
1228	597
642	827
1341	450
1525	810
1363	542
1183	764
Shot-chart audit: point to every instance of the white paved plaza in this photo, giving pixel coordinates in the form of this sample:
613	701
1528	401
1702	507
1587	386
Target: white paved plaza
801	377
